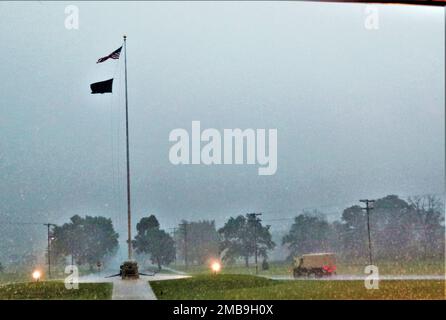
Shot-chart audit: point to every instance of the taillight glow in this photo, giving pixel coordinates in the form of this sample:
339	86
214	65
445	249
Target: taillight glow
329	269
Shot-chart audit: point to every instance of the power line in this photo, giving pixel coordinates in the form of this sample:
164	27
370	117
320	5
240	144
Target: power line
299	210
49	225
21	223
253	217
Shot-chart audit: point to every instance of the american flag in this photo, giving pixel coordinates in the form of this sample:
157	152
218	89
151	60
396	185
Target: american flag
114	55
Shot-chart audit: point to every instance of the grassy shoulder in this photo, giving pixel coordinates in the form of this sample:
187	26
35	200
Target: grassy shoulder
435	267
239	287
55	290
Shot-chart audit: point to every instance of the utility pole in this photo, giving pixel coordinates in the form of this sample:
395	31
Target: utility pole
174	236
49	225
368	207
175	239
185	243
253	217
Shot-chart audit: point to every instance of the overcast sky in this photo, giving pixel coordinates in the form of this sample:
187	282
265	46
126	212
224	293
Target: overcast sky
359	113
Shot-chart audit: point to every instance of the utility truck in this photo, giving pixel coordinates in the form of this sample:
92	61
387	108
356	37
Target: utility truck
315	264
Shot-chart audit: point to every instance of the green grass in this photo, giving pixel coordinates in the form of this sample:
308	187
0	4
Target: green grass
155	269
430	267
55	290
435	267
13	277
23	274
236	287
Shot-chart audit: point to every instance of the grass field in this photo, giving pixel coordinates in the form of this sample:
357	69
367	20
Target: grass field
13	277
23	274
55	290
236	287
435	267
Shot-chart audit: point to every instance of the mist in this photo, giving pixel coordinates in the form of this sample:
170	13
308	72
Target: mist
359	113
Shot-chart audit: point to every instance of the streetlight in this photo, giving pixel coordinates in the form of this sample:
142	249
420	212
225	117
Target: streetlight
37	275
216	267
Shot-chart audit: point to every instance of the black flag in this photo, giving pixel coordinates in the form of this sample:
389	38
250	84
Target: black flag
102	87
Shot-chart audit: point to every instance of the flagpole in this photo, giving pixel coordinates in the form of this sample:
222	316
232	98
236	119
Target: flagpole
129	213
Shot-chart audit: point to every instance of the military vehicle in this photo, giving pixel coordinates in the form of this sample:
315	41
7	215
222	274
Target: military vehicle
129	270
315	264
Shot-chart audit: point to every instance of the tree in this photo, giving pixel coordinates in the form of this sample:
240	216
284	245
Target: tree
202	241
428	213
88	239
151	240
309	233
353	228
240	236
1	268
392	228
400	230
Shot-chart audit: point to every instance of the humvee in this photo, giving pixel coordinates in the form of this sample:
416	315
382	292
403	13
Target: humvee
315	264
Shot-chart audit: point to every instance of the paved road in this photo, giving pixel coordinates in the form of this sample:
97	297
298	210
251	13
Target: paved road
130	289
101	277
181	274
359	277
175	271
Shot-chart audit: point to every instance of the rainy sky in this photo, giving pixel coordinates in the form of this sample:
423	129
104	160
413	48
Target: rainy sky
359	113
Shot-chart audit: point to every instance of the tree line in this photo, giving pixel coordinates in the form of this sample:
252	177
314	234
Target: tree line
399	229
87	240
